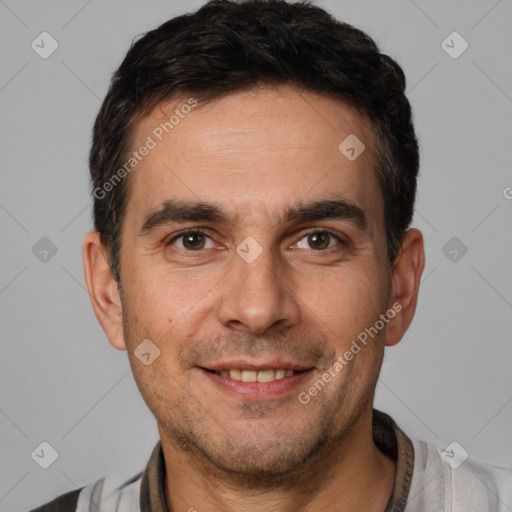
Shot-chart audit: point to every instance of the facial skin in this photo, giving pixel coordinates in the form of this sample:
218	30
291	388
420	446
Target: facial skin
254	155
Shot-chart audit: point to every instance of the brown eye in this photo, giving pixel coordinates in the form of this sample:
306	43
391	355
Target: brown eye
318	240
192	240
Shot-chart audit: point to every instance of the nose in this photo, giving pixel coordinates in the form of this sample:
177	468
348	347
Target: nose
257	296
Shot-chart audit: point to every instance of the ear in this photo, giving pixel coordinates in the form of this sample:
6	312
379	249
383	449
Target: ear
103	291
405	284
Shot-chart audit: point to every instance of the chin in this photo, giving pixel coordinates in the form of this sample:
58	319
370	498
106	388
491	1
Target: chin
258	458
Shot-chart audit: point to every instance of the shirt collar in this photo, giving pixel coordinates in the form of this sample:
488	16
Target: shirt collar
389	438
152	487
394	443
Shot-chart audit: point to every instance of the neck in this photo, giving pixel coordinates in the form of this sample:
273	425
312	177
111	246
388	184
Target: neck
347	474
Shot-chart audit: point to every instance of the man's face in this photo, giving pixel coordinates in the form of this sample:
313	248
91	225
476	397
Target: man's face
259	289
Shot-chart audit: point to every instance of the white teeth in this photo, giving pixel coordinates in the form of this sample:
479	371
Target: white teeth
249	375
265	376
235	374
279	374
257	376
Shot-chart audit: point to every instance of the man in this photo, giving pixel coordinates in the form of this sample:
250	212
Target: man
254	172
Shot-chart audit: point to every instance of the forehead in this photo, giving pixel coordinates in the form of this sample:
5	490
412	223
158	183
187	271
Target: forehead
256	152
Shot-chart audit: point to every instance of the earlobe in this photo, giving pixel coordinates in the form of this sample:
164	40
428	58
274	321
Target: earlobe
405	283
103	290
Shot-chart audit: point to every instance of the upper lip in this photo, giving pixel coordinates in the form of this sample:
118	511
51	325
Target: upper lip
243	364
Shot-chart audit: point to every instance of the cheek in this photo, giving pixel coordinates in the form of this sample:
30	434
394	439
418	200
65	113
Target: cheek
160	298
345	302
164	310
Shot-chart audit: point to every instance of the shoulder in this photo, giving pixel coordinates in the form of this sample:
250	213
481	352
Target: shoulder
65	503
447	478
106	494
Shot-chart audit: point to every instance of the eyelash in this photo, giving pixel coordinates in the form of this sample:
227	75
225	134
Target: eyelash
312	231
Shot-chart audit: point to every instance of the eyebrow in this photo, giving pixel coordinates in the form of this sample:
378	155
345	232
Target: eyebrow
176	210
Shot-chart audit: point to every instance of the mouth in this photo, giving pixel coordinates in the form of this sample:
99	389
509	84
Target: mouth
257	382
267	375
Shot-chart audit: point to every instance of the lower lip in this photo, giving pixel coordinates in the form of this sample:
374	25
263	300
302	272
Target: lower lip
257	391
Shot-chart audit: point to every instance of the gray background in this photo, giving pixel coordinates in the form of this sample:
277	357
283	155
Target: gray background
61	381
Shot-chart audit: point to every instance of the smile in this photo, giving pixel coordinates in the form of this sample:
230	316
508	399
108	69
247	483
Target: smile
256	385
256	376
